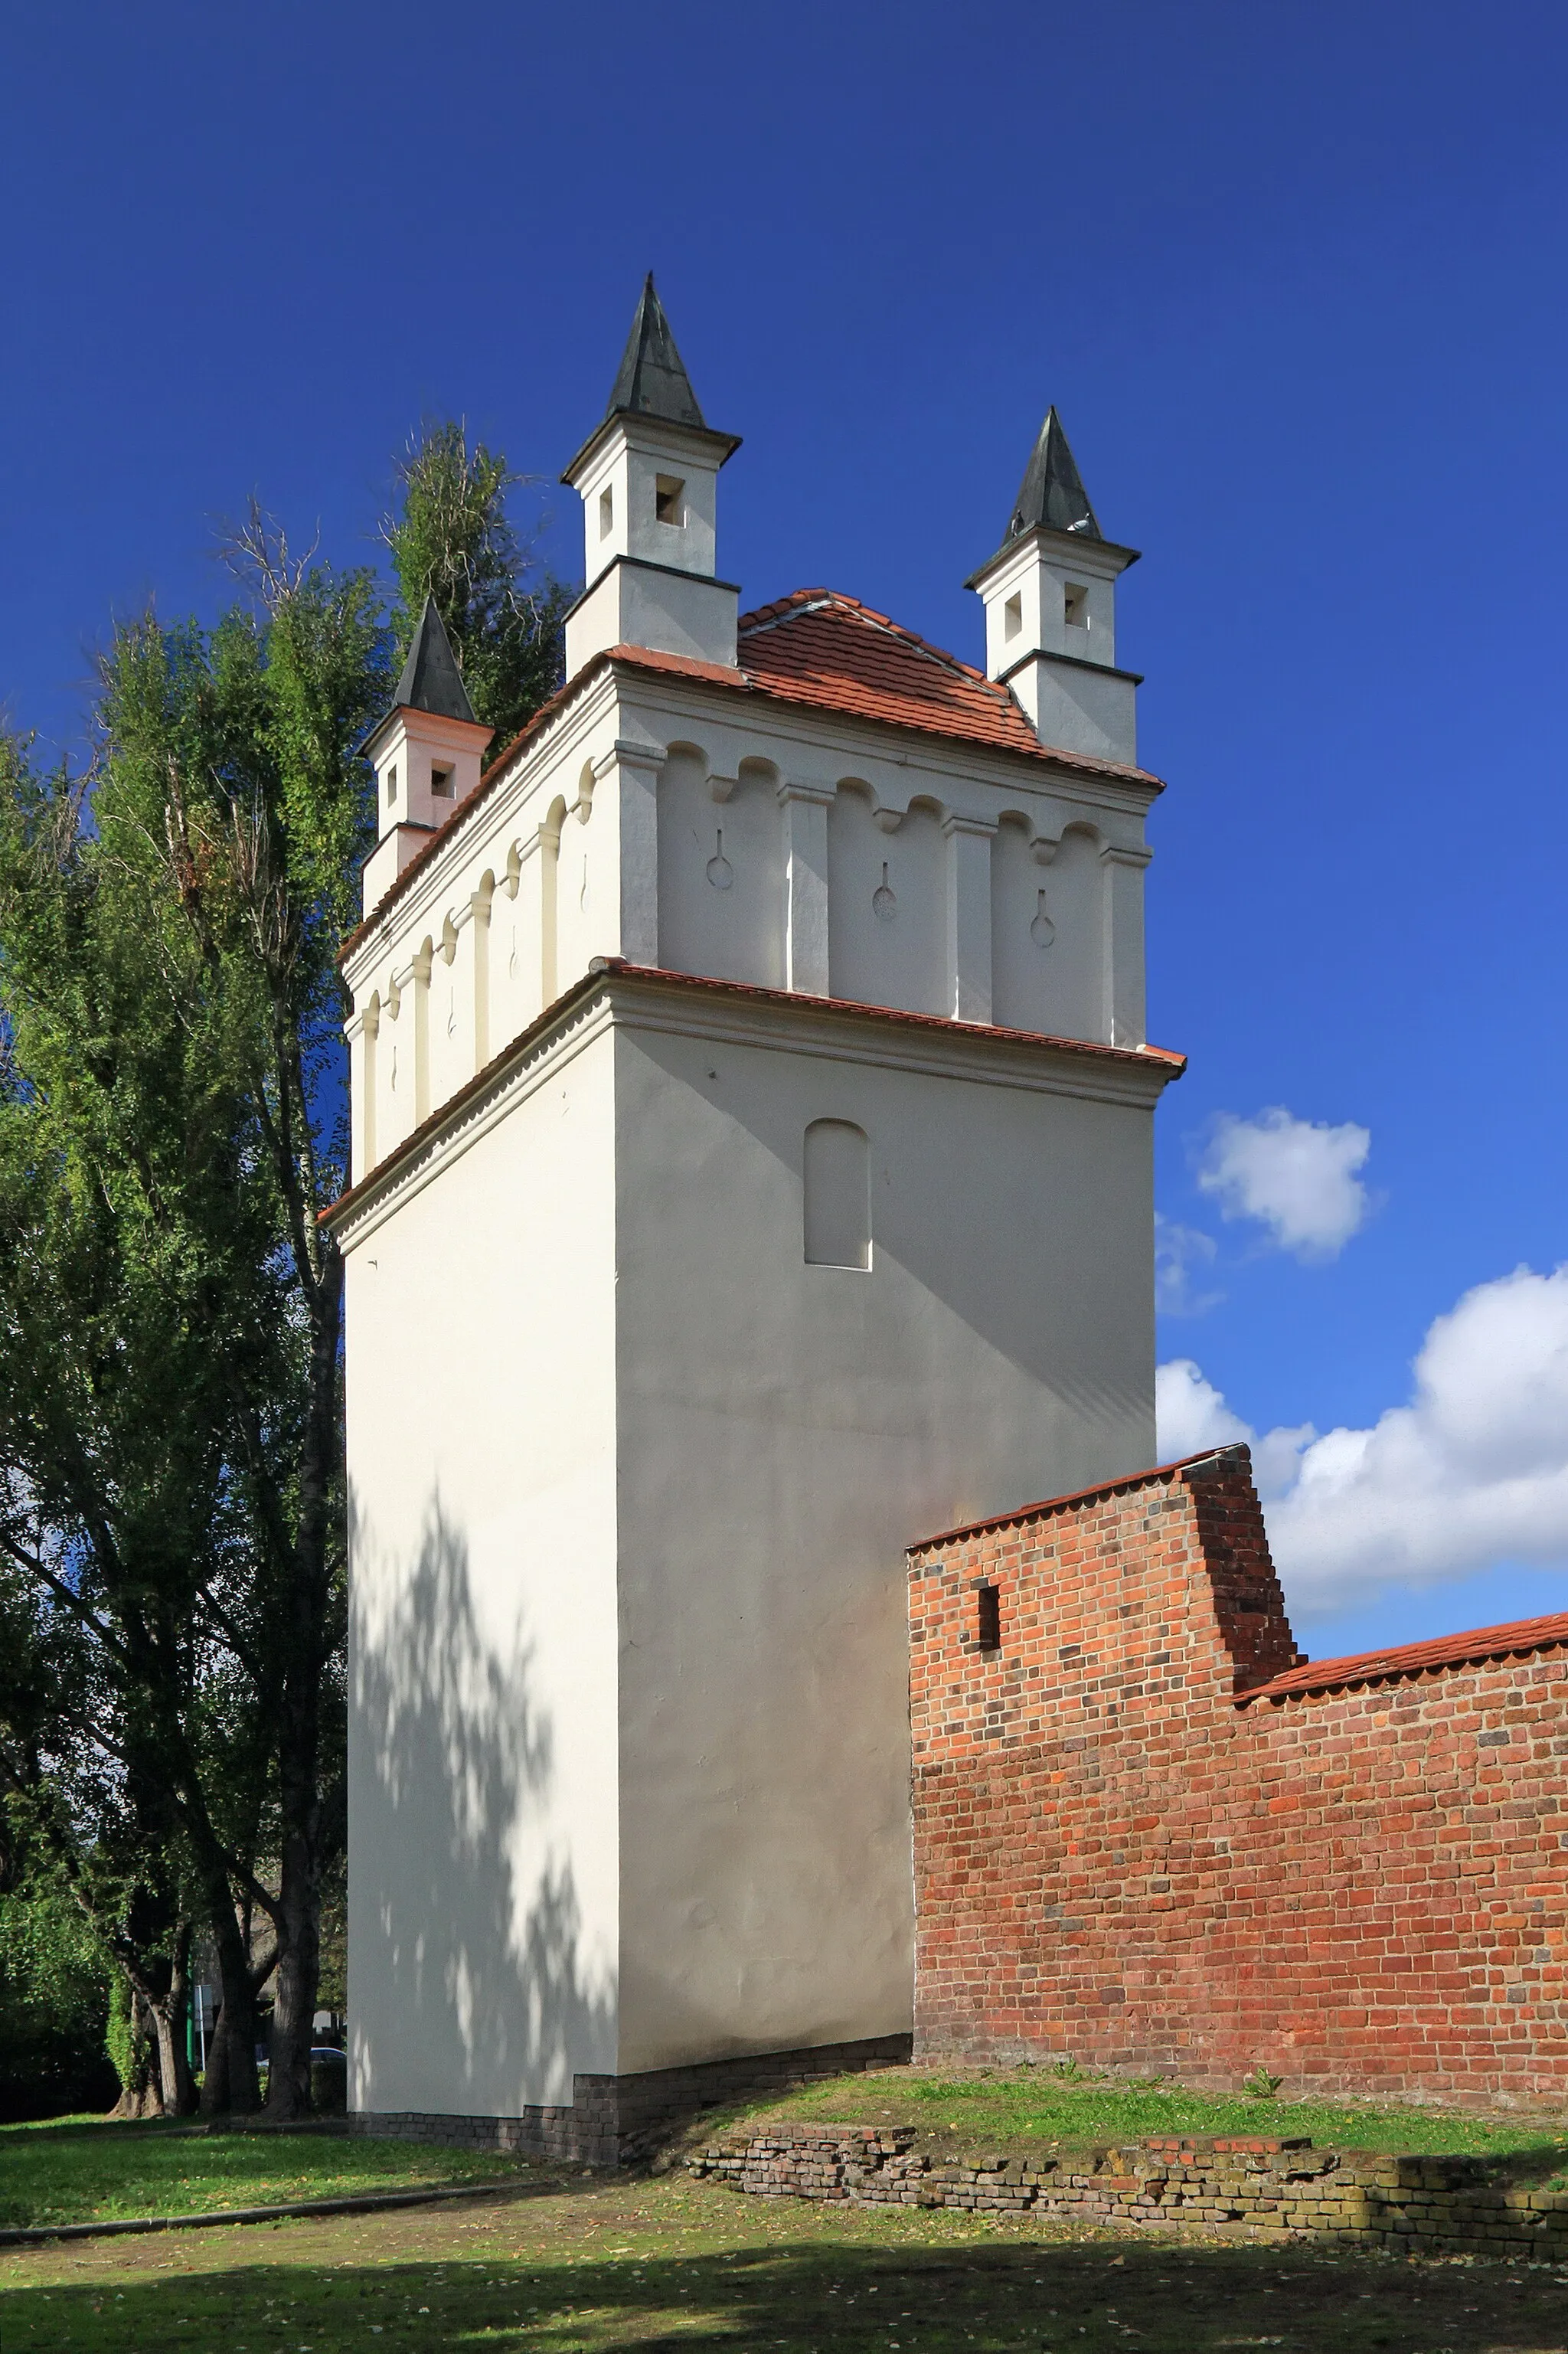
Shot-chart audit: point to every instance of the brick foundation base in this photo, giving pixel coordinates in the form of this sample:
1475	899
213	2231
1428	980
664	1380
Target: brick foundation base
621	2120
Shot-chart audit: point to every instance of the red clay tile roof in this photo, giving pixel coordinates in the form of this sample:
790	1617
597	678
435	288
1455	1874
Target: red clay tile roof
820	648
830	653
1470	1649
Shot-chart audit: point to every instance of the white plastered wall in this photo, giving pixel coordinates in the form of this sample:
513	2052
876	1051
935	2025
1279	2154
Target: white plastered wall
483	1745
786	1430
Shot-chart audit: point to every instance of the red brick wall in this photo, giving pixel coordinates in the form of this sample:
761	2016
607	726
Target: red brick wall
1361	1890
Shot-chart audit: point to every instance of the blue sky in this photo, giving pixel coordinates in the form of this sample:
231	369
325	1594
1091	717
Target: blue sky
1294	276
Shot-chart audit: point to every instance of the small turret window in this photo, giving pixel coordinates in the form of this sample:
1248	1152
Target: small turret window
391	784
605	514
441	783
1075	603
669	498
1012	617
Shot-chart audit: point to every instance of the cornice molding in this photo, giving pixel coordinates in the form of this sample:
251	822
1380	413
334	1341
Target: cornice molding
737	1014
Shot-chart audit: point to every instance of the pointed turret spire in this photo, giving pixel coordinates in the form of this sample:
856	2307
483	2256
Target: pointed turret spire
426	749
648	478
1052	494
652	380
431	679
1049	594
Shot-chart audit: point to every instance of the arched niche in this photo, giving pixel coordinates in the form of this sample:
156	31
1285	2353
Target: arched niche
887	902
366	1082
721	871
836	1191
550	832
1047	931
587	922
450	1031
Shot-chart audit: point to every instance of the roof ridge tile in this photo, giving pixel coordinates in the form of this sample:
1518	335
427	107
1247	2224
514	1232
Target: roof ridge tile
803	601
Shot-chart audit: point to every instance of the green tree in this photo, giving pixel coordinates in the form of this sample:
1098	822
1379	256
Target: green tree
451	538
170	1408
54	1992
172	1122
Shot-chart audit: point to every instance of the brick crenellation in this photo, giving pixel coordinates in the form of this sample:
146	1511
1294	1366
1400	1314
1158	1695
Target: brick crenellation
1123	1858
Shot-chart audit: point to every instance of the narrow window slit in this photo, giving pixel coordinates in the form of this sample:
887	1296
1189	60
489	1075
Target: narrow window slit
987	1618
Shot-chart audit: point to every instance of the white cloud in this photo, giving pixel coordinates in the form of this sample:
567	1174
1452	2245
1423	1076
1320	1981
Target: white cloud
1180	1253
1297	1177
1472	1472
1189	1414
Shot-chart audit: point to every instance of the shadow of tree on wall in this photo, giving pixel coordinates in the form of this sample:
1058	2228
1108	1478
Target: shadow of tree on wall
467	1989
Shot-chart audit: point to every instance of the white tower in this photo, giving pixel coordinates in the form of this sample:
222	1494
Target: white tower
1050	610
749	1082
648	477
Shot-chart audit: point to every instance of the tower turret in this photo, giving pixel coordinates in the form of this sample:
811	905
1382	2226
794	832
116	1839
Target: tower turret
648	478
1050	609
426	752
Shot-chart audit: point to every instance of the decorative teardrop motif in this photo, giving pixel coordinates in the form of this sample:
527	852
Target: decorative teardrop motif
1042	931
720	873
884	899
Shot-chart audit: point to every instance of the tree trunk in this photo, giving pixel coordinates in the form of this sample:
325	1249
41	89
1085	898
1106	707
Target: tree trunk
171	2018
231	2083
299	1741
298	1968
143	2096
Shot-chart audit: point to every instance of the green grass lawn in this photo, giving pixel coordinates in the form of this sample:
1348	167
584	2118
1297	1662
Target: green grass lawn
1043	2111
612	2266
83	2170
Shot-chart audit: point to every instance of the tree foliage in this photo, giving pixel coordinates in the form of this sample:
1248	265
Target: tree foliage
172	1571
451	538
170	1311
54	1984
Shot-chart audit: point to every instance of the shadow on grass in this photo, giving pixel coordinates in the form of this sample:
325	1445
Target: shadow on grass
87	2173
838	2294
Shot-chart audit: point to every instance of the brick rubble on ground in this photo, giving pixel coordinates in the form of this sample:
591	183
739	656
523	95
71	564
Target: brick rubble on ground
1262	2186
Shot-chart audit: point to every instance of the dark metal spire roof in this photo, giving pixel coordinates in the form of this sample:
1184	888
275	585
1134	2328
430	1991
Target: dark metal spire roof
651	382
431	679
1052	494
652	379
